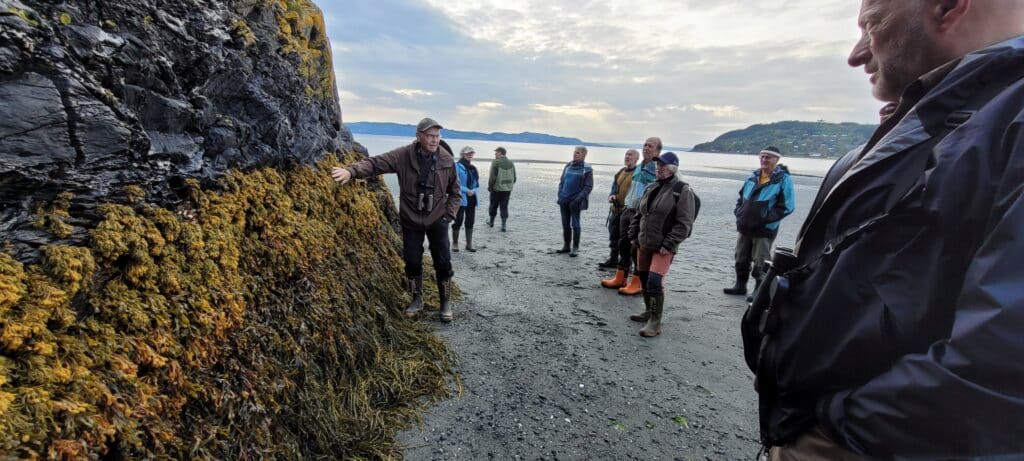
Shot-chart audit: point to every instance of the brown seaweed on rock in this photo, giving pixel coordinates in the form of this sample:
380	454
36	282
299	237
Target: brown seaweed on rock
259	321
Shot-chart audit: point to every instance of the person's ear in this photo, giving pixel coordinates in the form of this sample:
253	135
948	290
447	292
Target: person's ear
949	13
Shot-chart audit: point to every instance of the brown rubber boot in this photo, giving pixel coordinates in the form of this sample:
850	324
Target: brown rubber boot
653	326
618	281
647	311
634	287
444	293
415	287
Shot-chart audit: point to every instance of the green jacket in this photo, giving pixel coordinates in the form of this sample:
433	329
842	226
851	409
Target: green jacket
503	175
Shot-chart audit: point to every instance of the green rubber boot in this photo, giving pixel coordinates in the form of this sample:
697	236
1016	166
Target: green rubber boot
647	311
653	326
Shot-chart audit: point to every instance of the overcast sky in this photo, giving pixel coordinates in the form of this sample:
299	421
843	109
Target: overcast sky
612	71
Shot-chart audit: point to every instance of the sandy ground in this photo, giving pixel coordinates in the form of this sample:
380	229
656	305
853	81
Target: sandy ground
553	368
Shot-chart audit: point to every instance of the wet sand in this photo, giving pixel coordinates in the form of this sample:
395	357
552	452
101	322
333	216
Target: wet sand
552	367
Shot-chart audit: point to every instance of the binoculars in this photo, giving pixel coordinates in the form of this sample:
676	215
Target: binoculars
773	284
425	202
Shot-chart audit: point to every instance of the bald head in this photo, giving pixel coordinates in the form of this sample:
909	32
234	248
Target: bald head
901	40
963	26
652	147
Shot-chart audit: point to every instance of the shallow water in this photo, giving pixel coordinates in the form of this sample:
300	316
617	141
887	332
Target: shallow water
689	161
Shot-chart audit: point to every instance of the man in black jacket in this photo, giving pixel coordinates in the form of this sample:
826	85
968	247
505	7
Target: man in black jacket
896	332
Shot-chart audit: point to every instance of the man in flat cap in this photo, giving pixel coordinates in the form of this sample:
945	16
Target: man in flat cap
765	198
428	199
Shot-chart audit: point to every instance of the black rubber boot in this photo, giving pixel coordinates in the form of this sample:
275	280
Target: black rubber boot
742	276
455	239
566	239
613	260
757	284
502	224
490	221
469	241
444	293
415	287
575	243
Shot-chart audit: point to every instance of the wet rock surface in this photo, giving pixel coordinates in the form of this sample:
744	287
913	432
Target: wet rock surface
98	95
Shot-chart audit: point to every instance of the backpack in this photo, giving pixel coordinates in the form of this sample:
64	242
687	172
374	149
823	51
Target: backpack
506	177
678	189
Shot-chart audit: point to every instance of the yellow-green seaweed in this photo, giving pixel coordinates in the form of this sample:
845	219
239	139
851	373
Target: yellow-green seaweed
264	323
303	33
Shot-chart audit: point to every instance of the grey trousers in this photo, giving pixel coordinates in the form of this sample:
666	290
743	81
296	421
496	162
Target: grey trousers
753	250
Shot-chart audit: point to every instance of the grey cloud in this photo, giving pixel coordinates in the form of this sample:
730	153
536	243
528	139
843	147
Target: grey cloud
397	44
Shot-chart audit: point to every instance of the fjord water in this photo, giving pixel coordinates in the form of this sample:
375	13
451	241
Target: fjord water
689	161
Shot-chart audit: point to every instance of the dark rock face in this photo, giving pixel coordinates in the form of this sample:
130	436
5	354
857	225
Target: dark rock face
101	94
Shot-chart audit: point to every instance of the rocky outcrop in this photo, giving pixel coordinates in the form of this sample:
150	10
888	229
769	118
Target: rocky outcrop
100	94
180	277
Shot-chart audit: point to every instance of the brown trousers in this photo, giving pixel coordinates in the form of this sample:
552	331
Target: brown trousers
812	446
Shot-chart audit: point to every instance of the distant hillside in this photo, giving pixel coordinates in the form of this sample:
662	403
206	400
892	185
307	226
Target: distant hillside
398	129
793	138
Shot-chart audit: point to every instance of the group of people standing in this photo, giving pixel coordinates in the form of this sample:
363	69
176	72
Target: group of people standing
652	212
646	224
502	179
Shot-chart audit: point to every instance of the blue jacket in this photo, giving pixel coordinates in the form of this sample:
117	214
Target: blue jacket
643	176
469	180
760	208
901	331
575	186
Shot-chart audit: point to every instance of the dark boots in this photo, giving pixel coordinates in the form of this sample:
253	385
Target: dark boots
575	243
455	240
613	260
415	287
742	276
503	220
490	221
653	326
646	315
566	239
757	284
469	241
643	317
444	293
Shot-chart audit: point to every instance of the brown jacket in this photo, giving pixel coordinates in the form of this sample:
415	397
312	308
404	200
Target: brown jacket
621	184
663	218
405	163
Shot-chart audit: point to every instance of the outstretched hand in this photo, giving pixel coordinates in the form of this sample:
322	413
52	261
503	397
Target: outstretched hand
341	175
